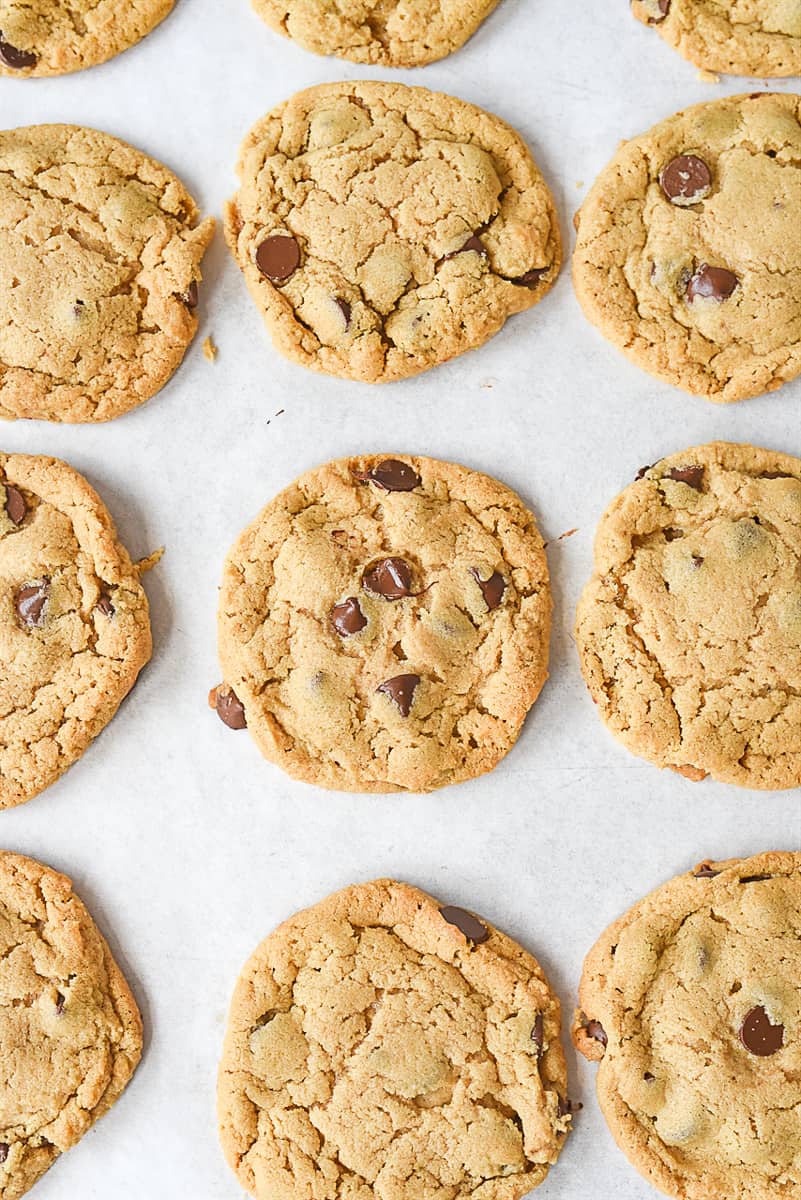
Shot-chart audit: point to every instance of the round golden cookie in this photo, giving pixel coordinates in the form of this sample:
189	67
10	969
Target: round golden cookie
688	256
690	1003
100	252
392	33
69	1026
382	1047
384	625
383	229
74	625
689	631
737	37
53	37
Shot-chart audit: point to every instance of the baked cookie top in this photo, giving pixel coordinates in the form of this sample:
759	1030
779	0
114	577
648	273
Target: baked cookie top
69	1026
53	37
383	229
688	256
100	253
384	624
689	631
691	1004
381	1046
392	33
738	37
74	625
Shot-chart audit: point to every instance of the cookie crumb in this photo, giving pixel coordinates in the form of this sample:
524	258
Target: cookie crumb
707	76
209	350
152	560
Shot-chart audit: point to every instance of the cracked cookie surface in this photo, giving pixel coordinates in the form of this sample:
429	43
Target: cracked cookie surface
380	1047
688	256
689	631
384	229
53	37
384	624
69	1026
74	624
690	1003
100	252
737	37
392	33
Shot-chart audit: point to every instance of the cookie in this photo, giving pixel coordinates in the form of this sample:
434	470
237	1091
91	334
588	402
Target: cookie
383	229
384	625
381	1046
100	251
688	256
397	33
74	625
53	37
69	1026
690	1004
689	631
737	37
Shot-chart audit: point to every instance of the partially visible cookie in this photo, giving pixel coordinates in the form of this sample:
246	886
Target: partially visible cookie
383	229
69	1027
689	631
688	256
74	625
690	1003
392	33
100	252
737	37
382	1046
384	625
53	37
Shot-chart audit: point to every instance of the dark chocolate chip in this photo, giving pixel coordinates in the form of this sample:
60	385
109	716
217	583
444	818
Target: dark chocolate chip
475	243
230	708
492	589
686	179
648	1077
644	470
4	1148
16	508
692	476
105	606
754	878
466	923
192	295
596	1031
776	475
394	476
697	561
278	257
531	278
400	689
711	283
759	1035
31	601
344	308
59	1004
347	617
538	1033
390	578
705	871
13	57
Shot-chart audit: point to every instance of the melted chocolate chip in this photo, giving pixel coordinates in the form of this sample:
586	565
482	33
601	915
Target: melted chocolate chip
466	923
400	689
348	618
394	476
105	606
711	283
663	7
192	295
59	1004
344	308
31	601
492	589
531	278
596	1031
278	257
648	1077
754	878
692	476
230	709
776	475
643	471
538	1034
705	871
686	179
16	508
475	243
13	57
4	1148
390	578
759	1035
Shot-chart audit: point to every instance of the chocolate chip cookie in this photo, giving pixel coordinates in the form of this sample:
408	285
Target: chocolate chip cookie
69	1026
738	37
100	252
382	1045
392	33
74	625
383	229
384	625
52	37
689	631
688	256
690	1004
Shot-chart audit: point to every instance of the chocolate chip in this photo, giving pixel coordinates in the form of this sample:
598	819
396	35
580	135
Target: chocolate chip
662	9
754	878
344	308
390	578
59	1004
31	600
776	475
394	476
230	708
644	470
596	1031
105	606
475	243
347	618
565	1107
692	476
538	1034
400	689
697	561
531	278
759	1035
705	871
4	1148
16	508
13	57
192	295
686	179
466	923
278	257
492	589
711	283
648	1077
